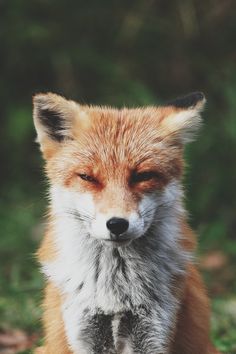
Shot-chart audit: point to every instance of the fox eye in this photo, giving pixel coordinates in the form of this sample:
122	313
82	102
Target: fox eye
87	178
143	176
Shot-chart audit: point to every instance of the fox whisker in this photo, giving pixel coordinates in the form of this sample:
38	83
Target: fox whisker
79	216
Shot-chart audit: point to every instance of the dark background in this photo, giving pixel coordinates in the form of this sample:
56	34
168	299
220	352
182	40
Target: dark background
117	53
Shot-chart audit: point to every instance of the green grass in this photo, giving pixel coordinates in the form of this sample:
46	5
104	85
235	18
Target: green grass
224	324
20	281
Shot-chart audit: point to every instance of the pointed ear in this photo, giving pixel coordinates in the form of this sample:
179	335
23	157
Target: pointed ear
182	118
53	116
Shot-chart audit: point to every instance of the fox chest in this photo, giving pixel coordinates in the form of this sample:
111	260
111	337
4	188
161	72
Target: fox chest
119	316
127	332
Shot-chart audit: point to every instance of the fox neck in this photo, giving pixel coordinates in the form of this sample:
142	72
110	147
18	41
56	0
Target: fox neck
118	278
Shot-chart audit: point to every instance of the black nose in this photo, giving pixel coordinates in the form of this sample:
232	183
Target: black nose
117	225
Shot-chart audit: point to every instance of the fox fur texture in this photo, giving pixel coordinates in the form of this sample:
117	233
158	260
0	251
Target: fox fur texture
118	254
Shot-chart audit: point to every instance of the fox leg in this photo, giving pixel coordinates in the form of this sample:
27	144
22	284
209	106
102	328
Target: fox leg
193	326
56	342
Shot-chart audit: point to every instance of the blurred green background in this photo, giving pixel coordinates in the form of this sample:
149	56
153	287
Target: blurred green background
117	53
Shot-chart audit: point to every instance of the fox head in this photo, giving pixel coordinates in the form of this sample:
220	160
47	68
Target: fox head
114	170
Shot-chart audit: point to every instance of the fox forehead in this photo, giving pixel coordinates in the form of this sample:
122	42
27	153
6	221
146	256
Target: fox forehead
129	129
113	142
128	136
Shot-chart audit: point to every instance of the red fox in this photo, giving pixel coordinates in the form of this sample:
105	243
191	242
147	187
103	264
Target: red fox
118	254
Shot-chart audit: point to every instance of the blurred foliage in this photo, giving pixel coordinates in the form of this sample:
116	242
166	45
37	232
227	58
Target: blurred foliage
115	53
224	324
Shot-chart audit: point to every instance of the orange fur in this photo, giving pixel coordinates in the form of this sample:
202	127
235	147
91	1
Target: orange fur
47	251
194	318
55	341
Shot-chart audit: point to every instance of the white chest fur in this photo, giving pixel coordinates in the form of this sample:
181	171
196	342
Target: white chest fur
117	293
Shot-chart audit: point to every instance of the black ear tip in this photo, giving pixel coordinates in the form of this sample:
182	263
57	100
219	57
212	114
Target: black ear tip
197	96
188	101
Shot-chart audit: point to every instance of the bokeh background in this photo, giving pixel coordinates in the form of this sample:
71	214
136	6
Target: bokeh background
116	53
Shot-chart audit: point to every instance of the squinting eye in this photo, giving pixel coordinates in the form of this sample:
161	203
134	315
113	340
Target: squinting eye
143	176
87	178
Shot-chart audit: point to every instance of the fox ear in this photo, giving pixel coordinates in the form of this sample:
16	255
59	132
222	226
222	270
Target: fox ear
53	116
183	117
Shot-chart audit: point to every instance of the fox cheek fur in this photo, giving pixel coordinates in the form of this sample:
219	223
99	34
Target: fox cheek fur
117	254
83	208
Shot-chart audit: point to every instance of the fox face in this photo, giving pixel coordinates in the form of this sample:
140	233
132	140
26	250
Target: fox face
114	171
